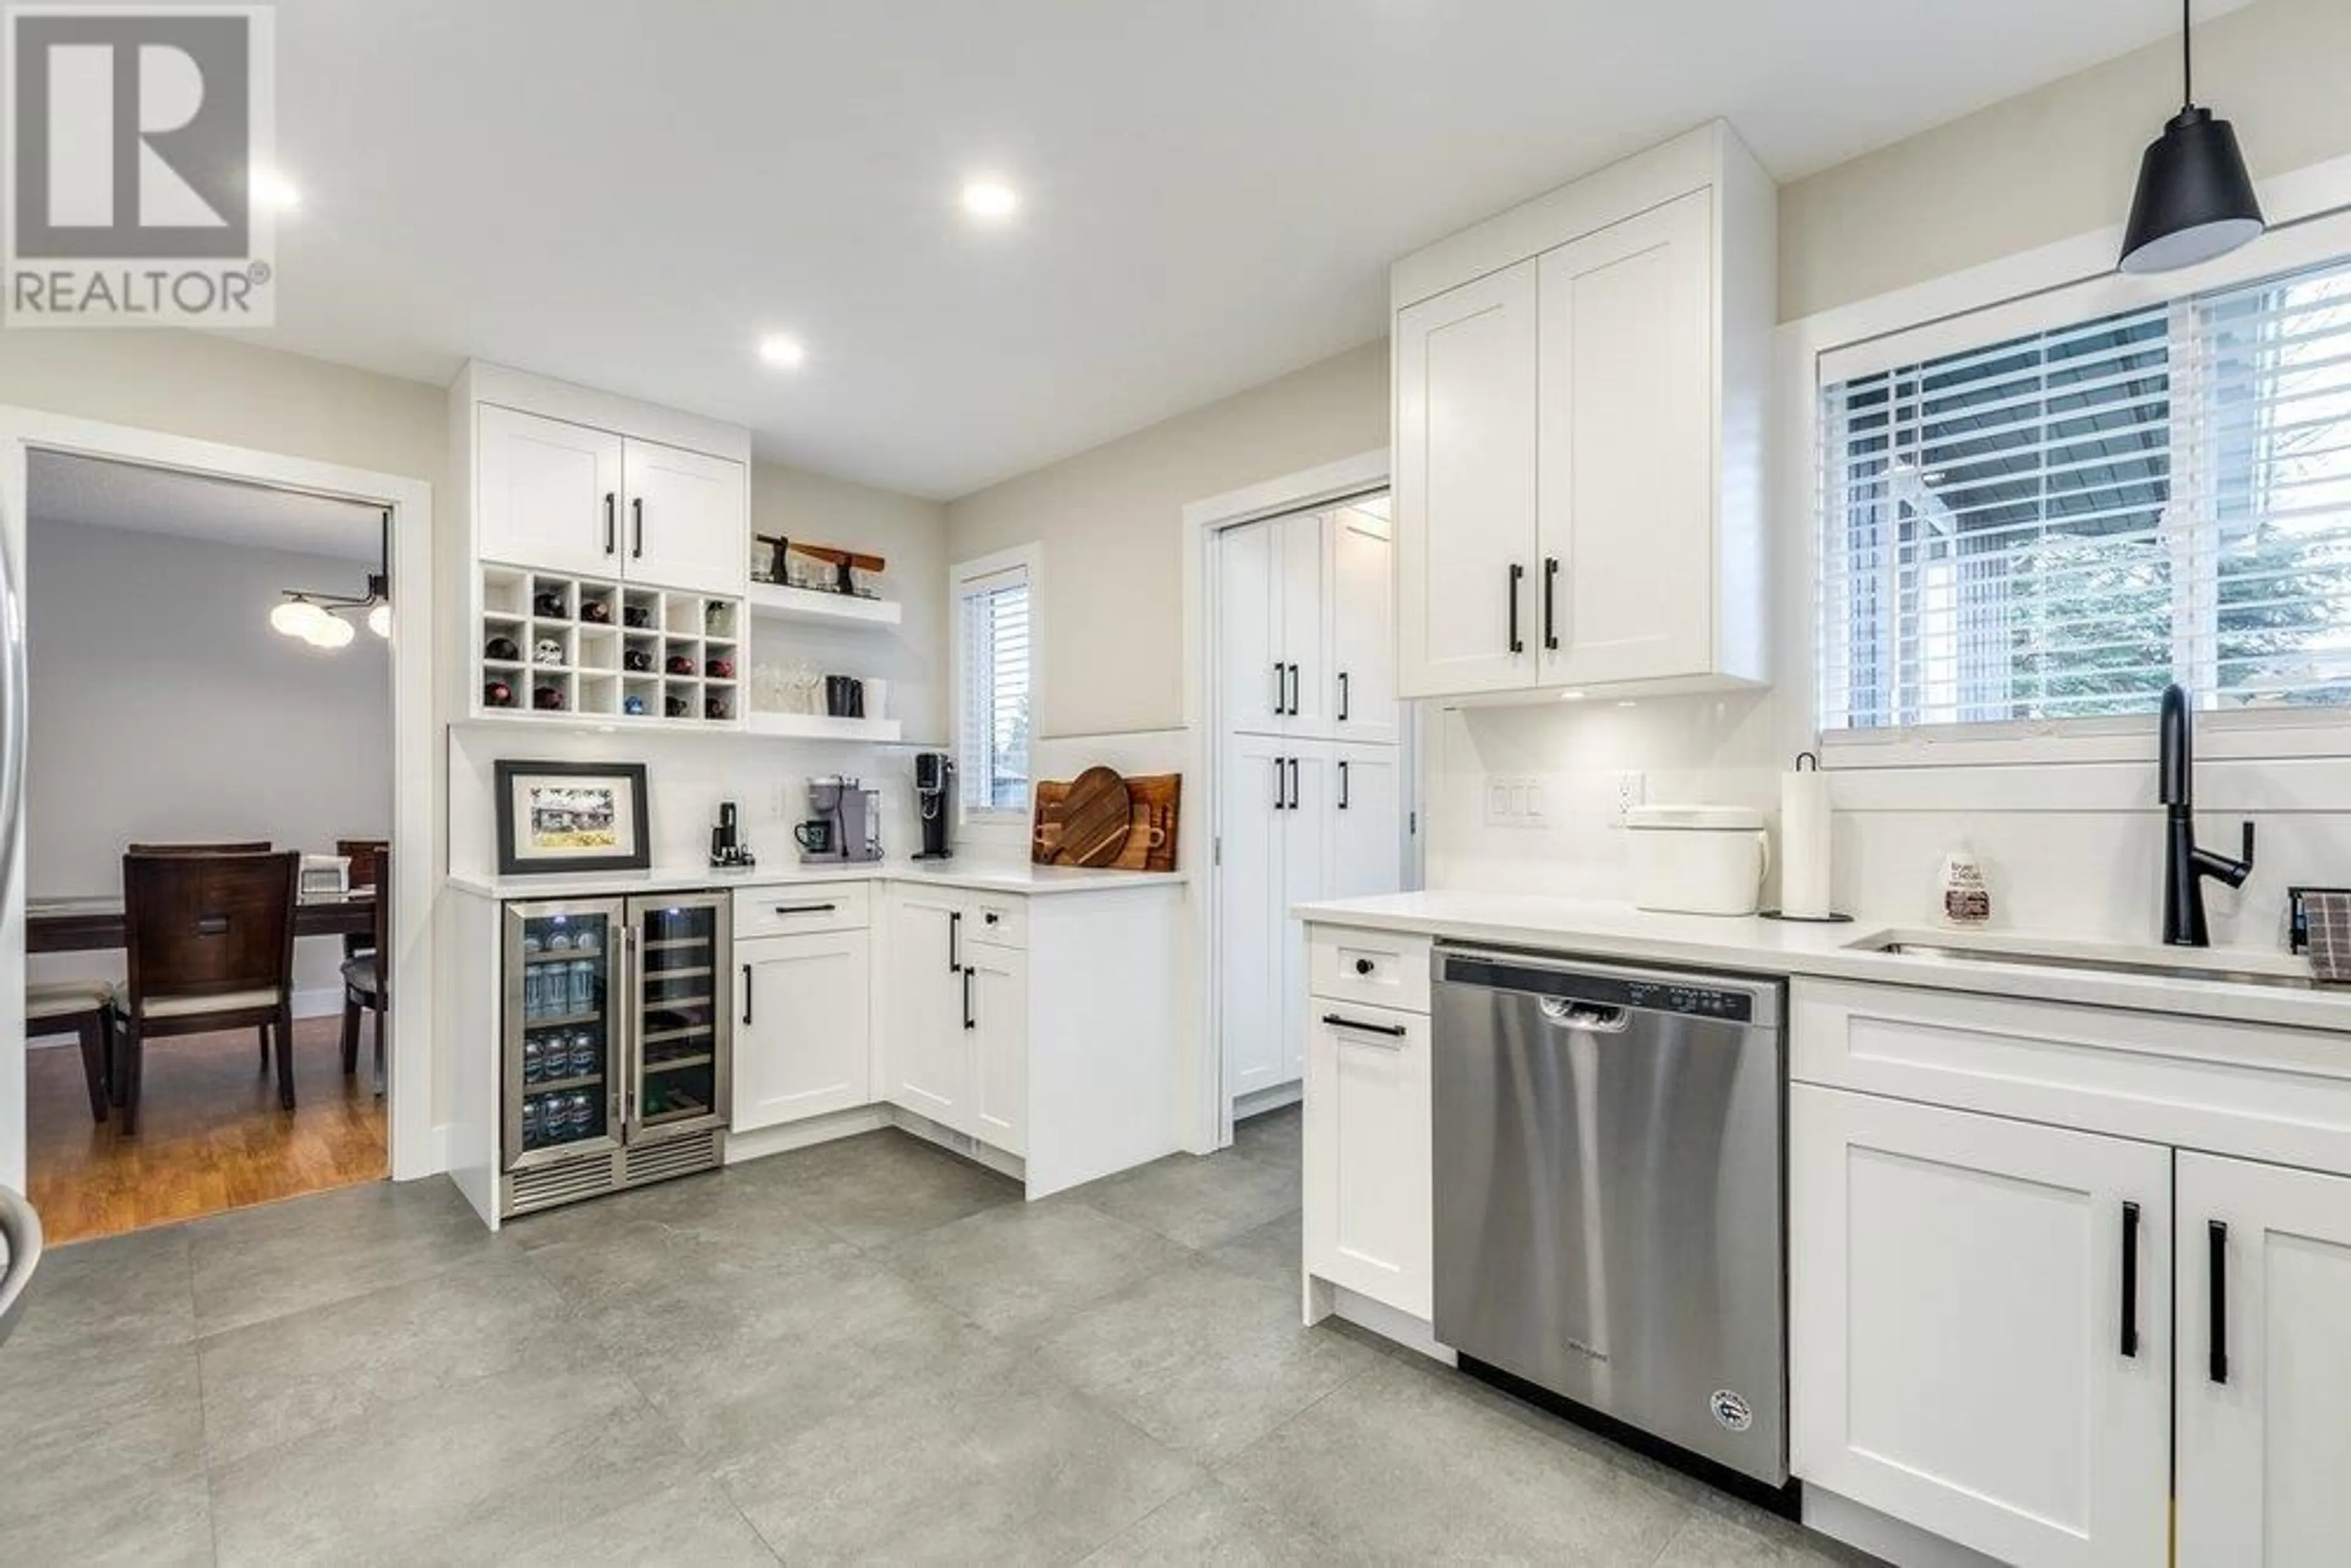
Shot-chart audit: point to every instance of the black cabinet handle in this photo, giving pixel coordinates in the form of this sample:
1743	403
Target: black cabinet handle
2216	1237
1365	966
1343	785
991	917
806	908
637	526
1293	783
1280	692
1280	801
1551	606
1344	700
2130	1280
971	1020
1294	691
1393	1031
746	994
1518	575
955	941
611	525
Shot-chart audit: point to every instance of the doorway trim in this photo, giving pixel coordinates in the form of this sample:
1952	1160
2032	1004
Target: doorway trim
1212	1127
411	1139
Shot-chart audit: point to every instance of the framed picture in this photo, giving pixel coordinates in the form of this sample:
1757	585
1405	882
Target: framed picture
571	816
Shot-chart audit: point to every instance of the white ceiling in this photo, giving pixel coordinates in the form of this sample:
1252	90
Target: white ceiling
629	195
94	492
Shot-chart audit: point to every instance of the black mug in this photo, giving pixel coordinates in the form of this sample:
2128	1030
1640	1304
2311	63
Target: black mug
844	696
816	837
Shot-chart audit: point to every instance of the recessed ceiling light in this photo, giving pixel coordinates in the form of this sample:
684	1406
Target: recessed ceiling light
990	201
779	350
274	191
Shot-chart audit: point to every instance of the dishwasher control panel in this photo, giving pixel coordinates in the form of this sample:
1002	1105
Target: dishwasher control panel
1631	989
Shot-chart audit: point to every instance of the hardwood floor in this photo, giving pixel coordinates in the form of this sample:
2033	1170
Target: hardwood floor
211	1137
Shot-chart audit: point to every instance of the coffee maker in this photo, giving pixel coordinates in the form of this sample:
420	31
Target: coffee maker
847	827
934	802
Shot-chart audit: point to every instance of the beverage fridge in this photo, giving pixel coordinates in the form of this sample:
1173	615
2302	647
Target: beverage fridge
617	1037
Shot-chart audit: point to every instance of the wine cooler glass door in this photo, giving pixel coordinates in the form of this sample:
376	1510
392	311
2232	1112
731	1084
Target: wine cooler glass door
684	993
562	1039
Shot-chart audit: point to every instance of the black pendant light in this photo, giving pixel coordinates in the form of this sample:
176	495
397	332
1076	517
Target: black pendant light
2195	200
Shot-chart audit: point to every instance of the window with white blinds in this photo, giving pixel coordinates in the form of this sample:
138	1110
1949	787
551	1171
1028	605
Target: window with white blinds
994	624
2058	526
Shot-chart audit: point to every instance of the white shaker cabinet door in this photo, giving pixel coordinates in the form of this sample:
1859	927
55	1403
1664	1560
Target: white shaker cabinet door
1365	836
1627	582
688	520
1368	1192
1303	566
1252	813
927	1066
549	494
1362	660
1979	1327
2264	1373
1253	676
803	1041
1465	487
996	1022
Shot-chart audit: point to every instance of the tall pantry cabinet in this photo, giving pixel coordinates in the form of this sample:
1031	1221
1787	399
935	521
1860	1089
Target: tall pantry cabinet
1311	797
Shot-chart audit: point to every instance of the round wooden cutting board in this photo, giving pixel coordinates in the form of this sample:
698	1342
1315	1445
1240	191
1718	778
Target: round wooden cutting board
1095	819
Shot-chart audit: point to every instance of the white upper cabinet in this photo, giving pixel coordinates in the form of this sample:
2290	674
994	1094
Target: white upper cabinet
1465	486
1626	434
1362	660
688	519
549	494
1580	386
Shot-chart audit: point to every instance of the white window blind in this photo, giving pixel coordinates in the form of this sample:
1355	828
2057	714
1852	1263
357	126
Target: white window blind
2058	526
994	741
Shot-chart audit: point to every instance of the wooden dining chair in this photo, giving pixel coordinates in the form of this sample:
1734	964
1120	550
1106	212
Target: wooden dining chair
366	856
210	940
367	975
239	847
83	1008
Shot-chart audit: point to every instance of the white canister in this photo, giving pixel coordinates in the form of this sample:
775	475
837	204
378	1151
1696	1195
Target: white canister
1697	859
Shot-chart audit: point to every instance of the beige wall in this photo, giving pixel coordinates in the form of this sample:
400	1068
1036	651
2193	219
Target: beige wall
2060	161
1110	614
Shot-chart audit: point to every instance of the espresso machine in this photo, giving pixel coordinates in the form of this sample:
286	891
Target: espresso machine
934	802
847	827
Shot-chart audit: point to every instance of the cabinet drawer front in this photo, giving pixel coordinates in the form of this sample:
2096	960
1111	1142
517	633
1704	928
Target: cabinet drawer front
1377	968
786	911
2279	1094
996	922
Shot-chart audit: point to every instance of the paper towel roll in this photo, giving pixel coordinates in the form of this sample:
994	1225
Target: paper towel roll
1804	844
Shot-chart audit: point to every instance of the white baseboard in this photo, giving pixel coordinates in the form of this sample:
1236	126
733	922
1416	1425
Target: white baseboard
1325	1298
1259	1101
1883	1535
741	1146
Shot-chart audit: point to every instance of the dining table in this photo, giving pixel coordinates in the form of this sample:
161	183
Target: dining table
93	922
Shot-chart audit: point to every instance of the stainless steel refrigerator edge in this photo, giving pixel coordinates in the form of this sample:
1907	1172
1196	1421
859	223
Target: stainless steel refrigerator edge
633	1141
1609	1192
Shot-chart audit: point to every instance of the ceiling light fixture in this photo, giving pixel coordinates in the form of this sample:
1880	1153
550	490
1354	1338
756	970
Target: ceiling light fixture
990	201
324	620
2195	199
789	353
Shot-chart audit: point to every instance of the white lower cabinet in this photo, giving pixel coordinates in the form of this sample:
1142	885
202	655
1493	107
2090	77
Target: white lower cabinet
1368	1192
804	1042
996	1022
1960	1288
927	1062
2264	1374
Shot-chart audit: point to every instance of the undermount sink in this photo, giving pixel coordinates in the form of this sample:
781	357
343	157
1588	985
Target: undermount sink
2128	961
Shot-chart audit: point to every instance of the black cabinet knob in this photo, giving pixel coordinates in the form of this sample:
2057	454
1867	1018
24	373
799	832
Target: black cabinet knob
1365	966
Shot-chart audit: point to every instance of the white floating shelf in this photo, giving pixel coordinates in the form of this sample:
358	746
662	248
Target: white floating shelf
822	726
779	603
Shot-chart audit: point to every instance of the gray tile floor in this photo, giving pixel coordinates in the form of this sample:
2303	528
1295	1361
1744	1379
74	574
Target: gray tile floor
866	1350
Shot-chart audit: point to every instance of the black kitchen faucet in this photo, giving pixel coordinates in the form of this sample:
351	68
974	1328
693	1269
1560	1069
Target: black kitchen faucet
2185	866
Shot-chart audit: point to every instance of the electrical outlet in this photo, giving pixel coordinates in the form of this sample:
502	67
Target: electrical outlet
1632	789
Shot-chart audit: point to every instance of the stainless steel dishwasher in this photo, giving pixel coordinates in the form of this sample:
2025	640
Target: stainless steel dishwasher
1609	1193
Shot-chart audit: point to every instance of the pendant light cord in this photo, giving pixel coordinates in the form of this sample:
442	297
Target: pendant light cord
2186	56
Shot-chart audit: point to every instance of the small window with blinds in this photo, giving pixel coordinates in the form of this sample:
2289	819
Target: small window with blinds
994	626
2059	526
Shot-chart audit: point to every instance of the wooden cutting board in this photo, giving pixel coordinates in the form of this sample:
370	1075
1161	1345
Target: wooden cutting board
1096	817
1157	803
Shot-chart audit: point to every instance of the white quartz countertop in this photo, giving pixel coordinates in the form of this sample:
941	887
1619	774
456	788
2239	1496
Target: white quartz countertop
1755	946
981	876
